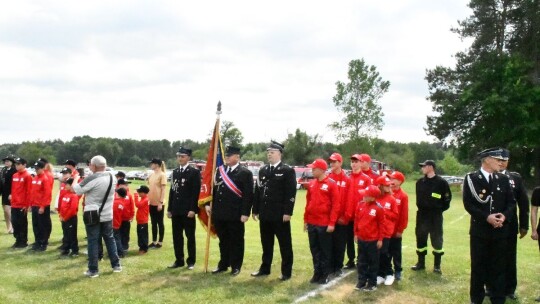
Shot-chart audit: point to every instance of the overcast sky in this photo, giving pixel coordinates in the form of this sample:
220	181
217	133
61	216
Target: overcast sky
156	69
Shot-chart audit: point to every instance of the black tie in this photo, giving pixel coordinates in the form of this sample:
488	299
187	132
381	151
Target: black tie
181	170
490	180
228	170
271	169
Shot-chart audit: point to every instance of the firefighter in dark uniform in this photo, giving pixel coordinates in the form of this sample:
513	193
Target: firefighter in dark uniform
183	205
273	205
517	224
231	207
489	199
6	176
433	197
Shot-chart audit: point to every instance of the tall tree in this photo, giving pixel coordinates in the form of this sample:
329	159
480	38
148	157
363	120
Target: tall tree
358	102
301	148
231	135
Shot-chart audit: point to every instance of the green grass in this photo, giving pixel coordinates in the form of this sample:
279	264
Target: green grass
44	278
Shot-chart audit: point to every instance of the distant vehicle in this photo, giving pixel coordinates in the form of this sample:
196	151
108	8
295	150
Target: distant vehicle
380	167
168	173
453	180
133	175
305	178
299	171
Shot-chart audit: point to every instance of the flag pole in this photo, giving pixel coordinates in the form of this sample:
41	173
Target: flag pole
209	224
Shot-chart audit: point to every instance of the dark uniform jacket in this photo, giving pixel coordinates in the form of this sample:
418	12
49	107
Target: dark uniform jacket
184	193
275	193
6	176
522	200
226	205
502	201
433	194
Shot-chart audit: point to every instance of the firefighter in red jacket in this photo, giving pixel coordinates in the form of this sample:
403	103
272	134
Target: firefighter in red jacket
40	200
69	206
141	201
365	164
20	203
357	181
320	216
402	201
127	215
339	237
388	202
368	232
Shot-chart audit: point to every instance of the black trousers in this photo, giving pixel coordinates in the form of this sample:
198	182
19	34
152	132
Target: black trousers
19	221
125	229
320	245
156	217
511	264
339	241
282	231
142	236
488	265
70	240
42	225
429	223
385	264
394	250
231	243
351	255
368	262
183	224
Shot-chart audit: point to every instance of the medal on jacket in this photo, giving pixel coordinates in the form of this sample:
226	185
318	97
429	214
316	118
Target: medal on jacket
183	180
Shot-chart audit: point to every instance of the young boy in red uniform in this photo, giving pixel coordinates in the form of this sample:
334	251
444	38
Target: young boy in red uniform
402	201
339	236
368	232
20	203
127	215
118	213
388	202
69	206
320	216
141	201
357	181
40	200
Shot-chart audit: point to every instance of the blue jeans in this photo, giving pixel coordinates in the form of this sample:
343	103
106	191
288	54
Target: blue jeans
94	233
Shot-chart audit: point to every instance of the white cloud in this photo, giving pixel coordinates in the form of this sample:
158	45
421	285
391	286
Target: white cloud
157	69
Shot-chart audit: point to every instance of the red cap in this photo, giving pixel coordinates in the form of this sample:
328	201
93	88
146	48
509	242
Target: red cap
383	180
356	156
336	157
319	163
398	175
365	158
371	191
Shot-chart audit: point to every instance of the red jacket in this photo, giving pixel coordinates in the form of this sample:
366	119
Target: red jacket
142	209
372	175
388	202
129	207
322	203
342	181
20	189
118	210
369	222
68	205
41	191
358	181
402	201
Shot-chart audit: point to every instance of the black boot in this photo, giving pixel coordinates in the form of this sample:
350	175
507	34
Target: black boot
437	263
421	264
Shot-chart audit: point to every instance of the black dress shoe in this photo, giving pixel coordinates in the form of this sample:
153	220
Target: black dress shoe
175	265
219	270
259	273
284	278
235	272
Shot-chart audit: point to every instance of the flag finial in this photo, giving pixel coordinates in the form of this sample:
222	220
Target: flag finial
218	108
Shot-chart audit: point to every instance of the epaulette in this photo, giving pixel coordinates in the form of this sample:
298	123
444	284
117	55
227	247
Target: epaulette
379	204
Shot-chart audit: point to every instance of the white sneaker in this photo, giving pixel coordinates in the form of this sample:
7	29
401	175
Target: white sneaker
117	269
389	280
380	280
91	274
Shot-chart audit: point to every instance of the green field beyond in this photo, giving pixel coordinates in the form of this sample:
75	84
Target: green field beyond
29	277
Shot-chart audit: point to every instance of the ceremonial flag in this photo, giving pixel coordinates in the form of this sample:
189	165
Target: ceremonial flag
214	160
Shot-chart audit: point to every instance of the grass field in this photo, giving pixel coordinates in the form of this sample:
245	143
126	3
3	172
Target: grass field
28	277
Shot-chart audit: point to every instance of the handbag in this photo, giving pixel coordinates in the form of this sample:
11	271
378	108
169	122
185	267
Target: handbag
91	217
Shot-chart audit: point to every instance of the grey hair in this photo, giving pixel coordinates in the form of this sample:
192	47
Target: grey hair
99	161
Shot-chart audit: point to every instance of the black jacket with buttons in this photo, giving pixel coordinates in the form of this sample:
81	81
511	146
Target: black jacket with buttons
184	193
522	202
226	205
502	202
275	193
